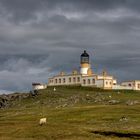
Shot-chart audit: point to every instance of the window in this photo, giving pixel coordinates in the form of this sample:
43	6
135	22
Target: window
59	80
129	85
70	80
55	80
64	80
78	79
93	81
106	83
138	85
88	81
110	83
84	81
84	59
74	79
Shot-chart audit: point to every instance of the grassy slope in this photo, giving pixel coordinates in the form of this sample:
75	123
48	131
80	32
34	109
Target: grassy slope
72	113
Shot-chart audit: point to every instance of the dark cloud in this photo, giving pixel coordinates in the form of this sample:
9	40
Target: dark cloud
19	10
39	38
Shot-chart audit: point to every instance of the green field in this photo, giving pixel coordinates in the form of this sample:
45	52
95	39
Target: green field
73	113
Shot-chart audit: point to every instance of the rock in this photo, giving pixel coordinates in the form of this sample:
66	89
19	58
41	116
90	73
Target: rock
136	102
65	105
110	96
113	102
8	100
123	118
129	102
118	92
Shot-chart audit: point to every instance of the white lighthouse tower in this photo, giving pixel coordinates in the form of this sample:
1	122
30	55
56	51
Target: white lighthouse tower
85	66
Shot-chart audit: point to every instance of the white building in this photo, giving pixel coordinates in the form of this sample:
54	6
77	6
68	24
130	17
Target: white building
134	85
85	77
38	86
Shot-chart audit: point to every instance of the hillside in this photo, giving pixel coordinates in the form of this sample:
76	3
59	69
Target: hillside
72	113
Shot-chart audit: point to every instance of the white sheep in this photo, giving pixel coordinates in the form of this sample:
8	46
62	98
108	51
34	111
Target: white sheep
42	121
110	96
54	89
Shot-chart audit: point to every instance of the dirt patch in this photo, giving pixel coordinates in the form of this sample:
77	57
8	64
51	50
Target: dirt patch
117	134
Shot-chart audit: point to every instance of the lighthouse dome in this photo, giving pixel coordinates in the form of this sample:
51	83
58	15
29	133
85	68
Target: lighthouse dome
85	54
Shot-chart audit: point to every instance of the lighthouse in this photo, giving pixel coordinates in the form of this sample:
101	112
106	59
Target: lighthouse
85	77
85	65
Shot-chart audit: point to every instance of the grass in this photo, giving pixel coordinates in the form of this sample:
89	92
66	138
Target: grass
84	119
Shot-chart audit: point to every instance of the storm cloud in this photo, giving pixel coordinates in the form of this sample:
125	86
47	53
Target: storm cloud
39	38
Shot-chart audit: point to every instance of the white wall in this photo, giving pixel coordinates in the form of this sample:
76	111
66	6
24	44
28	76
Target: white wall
108	83
99	83
37	87
120	87
94	80
84	71
88	81
65	80
135	85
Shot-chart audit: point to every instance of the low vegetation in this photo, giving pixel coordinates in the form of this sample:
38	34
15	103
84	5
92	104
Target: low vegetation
73	113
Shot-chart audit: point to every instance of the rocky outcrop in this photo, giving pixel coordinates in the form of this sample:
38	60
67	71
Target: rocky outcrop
7	100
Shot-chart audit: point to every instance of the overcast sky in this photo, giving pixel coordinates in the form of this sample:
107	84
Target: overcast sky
39	38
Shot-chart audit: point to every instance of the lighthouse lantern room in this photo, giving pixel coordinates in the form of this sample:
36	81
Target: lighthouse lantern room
85	66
